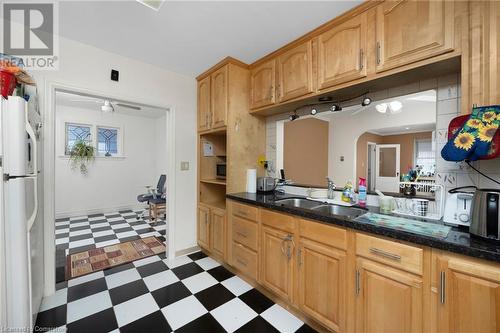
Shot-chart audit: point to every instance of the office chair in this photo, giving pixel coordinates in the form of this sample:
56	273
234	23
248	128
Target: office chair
154	195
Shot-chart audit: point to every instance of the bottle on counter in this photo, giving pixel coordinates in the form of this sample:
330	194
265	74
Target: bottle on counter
362	192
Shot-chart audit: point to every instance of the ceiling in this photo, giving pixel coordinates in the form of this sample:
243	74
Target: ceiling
190	36
94	103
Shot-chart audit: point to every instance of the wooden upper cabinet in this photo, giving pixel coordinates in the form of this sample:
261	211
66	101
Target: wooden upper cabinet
387	299
470	300
342	53
263	84
323	283
204	227
204	104
411	30
219	97
218	231
295	72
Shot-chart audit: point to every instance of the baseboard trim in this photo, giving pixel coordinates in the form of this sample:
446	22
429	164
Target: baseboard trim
61	215
189	250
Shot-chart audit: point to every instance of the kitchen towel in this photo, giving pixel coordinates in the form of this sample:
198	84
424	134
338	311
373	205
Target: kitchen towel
251	180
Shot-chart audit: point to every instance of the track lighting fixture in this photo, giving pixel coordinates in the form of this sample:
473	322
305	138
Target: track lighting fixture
314	111
294	116
335	107
366	101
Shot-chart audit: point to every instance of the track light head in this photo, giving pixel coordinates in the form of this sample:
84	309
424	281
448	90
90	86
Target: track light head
293	116
314	111
335	108
366	101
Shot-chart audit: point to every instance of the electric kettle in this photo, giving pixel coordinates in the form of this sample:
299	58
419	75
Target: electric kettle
486	214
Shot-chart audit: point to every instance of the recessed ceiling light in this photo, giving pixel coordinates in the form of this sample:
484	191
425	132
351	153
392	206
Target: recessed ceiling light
407	128
107	107
153	4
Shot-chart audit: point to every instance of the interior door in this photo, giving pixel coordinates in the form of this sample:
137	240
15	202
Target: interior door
387	167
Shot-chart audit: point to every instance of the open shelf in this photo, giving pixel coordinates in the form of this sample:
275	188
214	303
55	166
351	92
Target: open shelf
221	182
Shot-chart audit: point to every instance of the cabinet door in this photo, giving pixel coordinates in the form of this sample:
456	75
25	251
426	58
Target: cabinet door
218	231
322	283
219	91
412	30
204	104
469	296
387	299
204	227
341	53
295	72
277	261
263	84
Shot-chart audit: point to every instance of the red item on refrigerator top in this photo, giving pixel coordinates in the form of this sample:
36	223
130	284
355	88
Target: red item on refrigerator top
8	83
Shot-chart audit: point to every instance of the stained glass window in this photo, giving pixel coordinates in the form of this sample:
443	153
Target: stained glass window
75	133
107	141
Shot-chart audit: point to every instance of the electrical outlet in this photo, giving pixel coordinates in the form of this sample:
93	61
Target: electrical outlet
184	166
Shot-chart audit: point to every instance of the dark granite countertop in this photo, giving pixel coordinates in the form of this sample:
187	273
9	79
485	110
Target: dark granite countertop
458	240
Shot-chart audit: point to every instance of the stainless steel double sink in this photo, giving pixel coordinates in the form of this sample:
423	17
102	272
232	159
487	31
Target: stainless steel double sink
322	208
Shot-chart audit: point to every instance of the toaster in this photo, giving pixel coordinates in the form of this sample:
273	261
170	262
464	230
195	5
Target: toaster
486	214
266	184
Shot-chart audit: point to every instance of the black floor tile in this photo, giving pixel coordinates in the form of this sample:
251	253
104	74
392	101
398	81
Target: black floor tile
214	296
161	238
154	322
128	239
124	229
170	294
122	221
258	324
119	268
104	321
60	227
61	285
96	215
101	229
54	317
80	237
205	323
82	227
153	268
65	235
187	270
81	248
256	300
306	329
98	221
163	255
86	289
64	219
197	255
83	219
113	215
60	274
220	273
128	291
125	211
145	230
105	238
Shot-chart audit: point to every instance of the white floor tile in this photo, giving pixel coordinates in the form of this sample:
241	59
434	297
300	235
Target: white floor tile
103	233
85	278
99	225
236	285
80	232
107	243
61	231
78	218
281	319
148	234
146	261
184	311
207	263
199	282
160	280
126	234
120	226
114	219
234	314
176	262
121	278
87	306
60	241
82	242
79	224
140	226
60	297
96	218
134	309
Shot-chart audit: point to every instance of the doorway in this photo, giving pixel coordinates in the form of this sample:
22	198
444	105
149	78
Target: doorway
371	166
387	167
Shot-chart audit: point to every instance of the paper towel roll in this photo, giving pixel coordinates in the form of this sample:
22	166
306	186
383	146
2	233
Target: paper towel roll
251	180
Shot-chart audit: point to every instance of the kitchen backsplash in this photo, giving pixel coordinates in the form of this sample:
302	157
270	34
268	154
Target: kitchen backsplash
449	174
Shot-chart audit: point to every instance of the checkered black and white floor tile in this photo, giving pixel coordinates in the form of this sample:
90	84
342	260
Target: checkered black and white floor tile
192	293
76	234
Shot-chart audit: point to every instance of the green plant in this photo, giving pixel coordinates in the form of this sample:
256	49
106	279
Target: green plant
80	155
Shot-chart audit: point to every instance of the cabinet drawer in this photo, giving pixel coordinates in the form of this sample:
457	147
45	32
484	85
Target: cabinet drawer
245	260
245	232
278	220
391	253
245	211
329	235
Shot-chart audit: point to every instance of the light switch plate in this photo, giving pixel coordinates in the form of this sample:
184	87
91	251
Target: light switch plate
184	166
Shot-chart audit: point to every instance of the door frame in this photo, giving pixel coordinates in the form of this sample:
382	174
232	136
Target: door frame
371	178
48	165
377	160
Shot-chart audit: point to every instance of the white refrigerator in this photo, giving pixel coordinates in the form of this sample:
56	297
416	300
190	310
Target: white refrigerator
21	221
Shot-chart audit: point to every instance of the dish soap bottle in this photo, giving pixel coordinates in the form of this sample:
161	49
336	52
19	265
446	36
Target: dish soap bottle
362	192
347	192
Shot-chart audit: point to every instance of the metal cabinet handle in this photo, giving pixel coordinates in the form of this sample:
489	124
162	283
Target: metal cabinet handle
361	60
378	53
442	287
385	254
358	278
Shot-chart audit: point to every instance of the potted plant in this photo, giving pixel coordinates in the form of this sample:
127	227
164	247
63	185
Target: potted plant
80	155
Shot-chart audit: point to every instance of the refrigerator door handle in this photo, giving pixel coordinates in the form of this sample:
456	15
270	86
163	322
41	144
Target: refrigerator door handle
34	160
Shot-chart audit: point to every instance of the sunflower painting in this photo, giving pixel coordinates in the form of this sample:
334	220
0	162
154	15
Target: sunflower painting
487	132
474	123
489	116
464	141
482	126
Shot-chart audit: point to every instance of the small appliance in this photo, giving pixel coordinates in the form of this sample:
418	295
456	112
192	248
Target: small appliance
220	171
486	214
266	184
458	205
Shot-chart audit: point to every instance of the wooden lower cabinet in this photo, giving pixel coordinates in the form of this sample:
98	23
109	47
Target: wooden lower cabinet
469	295
203	226
212	230
387	299
277	261
322	283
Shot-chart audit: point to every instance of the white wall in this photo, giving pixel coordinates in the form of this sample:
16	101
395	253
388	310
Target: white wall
112	183
88	68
